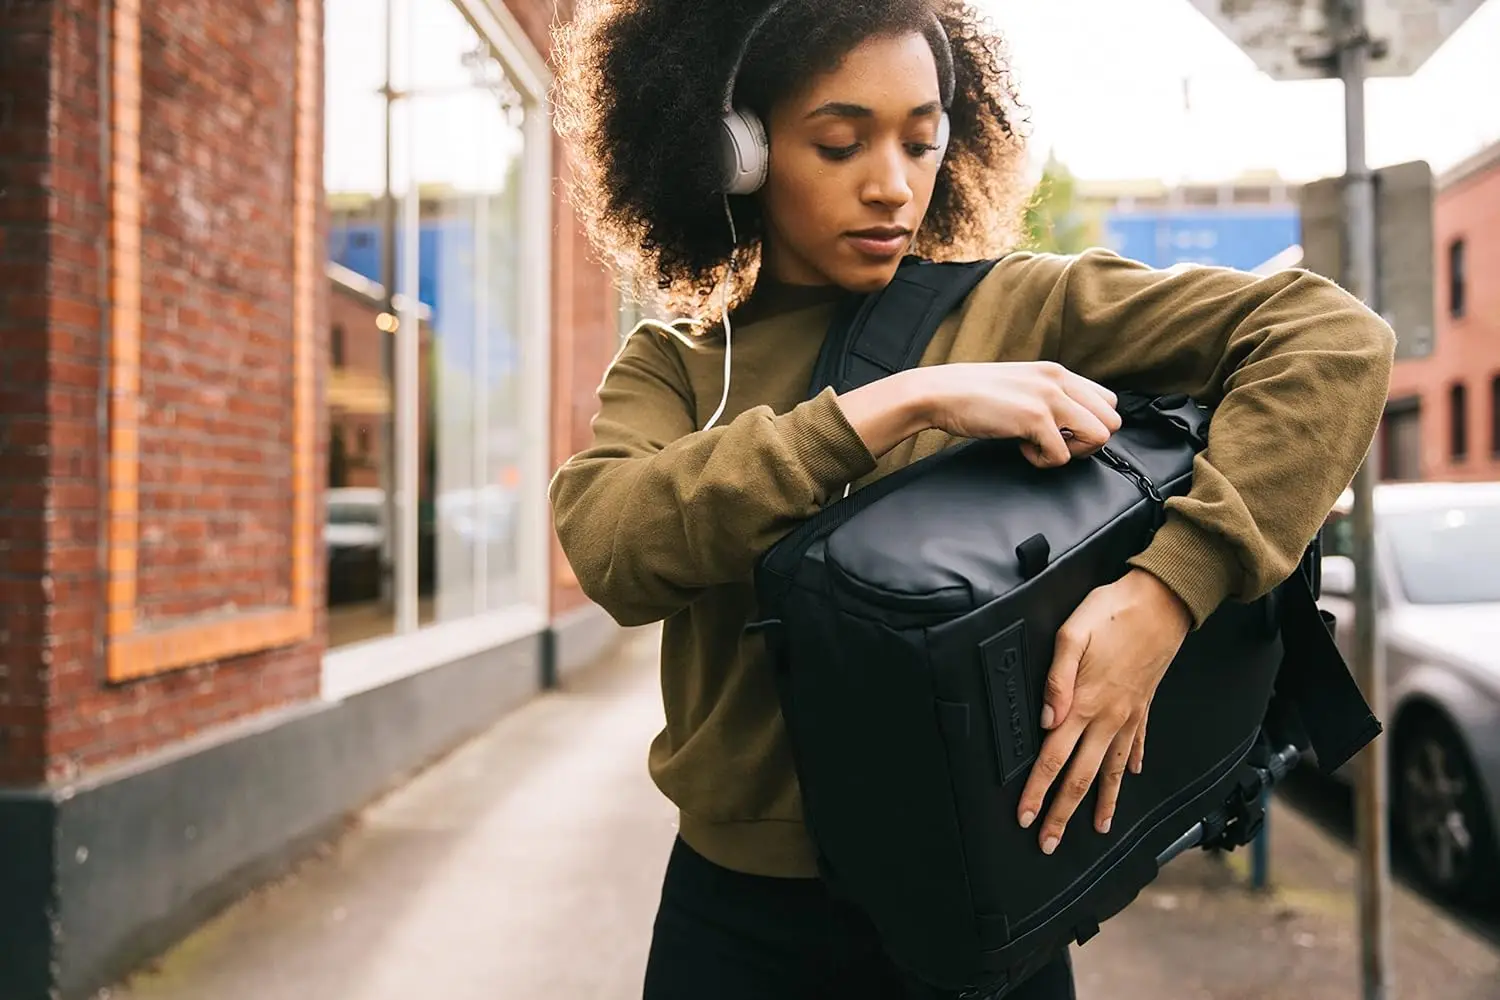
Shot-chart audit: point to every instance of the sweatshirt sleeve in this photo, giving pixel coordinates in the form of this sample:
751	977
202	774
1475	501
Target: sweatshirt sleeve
654	510
1298	371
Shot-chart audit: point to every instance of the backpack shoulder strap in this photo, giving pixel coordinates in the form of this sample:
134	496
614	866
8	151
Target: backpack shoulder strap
1315	683
872	336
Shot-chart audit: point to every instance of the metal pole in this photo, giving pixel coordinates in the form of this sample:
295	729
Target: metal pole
1369	666
1260	848
411	457
388	541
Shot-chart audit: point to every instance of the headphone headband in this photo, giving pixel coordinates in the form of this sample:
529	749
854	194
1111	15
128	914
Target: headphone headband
936	34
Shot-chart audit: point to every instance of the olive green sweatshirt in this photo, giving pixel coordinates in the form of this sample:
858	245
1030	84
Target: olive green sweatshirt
663	521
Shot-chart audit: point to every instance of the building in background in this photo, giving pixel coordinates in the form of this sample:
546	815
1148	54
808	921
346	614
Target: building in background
1240	223
287	357
1443	420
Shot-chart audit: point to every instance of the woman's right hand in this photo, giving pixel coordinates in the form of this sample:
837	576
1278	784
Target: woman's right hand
1057	414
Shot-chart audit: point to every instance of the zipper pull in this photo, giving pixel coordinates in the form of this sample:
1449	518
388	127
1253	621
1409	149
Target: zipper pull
1142	483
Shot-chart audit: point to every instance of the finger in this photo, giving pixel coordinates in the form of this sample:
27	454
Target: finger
1138	750
1081	421
1076	783
1056	749
1080	386
1099	400
1062	675
1049	448
1076	448
1080	449
1111	777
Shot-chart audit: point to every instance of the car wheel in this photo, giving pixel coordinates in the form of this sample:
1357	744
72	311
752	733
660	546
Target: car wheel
1440	813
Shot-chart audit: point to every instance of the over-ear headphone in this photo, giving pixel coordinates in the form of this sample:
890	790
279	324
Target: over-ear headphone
745	150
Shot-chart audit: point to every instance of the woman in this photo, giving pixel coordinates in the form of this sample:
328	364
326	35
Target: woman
891	130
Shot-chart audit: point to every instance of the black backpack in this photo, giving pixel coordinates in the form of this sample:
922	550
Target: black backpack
912	626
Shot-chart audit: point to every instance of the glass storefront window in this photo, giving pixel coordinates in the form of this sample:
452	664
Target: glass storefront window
467	147
456	214
359	401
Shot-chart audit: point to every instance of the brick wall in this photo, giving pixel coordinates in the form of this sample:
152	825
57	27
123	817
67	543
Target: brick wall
585	318
216	459
215	195
1466	350
25	459
215	384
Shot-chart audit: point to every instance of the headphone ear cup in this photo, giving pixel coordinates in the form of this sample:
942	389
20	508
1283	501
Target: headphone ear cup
744	152
943	134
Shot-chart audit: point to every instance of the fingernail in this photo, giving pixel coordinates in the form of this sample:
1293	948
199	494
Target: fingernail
1104	827
1047	716
1027	818
1049	845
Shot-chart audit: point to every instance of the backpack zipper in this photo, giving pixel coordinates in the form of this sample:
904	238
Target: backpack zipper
1141	481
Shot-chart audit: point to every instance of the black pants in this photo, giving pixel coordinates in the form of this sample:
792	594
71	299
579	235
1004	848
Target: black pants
723	935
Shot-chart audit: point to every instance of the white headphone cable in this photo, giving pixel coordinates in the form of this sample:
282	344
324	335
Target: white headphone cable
728	332
734	242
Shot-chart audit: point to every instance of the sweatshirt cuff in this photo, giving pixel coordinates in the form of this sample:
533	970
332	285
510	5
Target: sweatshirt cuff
831	450
1193	563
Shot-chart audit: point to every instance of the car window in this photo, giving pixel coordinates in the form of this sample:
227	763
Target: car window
1448	554
1338	535
351	513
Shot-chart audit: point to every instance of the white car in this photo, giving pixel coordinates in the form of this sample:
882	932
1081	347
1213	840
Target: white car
1438	594
354	531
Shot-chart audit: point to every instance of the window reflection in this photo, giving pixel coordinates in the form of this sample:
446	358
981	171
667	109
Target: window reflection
467	155
359	402
456	140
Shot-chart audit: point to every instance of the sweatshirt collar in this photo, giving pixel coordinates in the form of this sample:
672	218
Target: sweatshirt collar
773	298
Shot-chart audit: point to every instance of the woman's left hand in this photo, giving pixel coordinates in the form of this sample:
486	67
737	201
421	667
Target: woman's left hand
1111	654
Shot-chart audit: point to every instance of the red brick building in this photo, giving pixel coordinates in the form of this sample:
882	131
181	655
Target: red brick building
1443	421
272	527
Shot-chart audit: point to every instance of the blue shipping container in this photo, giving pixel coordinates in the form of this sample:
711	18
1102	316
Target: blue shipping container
1238	237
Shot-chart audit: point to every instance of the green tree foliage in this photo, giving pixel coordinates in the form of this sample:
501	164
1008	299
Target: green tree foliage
1054	224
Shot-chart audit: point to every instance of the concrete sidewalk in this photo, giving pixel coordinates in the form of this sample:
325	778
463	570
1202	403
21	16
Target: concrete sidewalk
526	866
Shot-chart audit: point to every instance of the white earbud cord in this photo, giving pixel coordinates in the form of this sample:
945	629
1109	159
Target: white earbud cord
734	242
728	331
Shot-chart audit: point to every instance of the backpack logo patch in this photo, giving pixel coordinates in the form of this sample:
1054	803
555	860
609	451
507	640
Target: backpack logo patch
1004	659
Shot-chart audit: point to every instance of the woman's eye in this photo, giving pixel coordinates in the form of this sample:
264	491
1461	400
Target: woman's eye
838	152
920	149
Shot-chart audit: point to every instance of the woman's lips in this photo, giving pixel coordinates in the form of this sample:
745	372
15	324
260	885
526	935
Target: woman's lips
881	243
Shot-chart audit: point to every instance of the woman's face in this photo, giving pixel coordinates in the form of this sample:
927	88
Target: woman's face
852	167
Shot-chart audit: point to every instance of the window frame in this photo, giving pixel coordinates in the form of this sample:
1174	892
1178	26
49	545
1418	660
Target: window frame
1401	408
1495	415
410	648
1458	286
1458	422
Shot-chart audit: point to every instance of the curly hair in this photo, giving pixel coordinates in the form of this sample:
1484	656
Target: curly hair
638	97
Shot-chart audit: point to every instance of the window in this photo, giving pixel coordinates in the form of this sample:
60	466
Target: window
1447	553
438	257
1458	421
1338	535
1456	282
359	512
1401	440
1495	416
